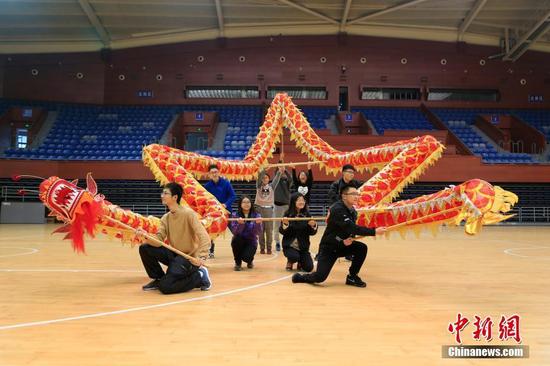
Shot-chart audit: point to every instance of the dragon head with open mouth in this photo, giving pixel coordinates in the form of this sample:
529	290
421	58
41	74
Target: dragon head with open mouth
79	208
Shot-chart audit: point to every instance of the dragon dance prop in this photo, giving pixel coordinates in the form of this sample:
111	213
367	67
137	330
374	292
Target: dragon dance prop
397	164
86	211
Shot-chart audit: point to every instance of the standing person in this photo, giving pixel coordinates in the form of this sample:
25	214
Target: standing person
182	229
296	234
245	233
337	241
282	199
348	172
221	189
303	182
265	196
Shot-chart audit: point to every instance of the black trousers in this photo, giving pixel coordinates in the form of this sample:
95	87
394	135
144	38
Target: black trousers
181	275
243	250
302	257
327	258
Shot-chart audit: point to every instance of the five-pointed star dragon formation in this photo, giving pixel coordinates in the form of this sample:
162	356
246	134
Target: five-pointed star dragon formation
397	164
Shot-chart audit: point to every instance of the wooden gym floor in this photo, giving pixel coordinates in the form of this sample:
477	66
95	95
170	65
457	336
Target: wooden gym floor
59	308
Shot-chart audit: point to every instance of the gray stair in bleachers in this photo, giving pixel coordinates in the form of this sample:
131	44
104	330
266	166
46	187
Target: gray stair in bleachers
545	155
44	130
331	125
164	139
371	125
219	137
488	140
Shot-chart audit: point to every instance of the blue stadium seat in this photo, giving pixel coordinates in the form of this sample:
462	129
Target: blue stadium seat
395	118
461	123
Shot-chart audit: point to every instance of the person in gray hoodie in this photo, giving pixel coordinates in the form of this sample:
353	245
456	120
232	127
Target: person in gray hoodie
265	195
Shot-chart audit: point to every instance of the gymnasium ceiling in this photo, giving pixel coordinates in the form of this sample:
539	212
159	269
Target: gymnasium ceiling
32	26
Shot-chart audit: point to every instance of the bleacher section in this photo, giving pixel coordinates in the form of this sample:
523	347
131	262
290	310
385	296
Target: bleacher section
243	126
395	119
92	132
317	116
538	118
461	122
244	123
100	133
119	132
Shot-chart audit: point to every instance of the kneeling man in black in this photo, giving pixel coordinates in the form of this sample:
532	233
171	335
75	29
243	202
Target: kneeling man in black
337	241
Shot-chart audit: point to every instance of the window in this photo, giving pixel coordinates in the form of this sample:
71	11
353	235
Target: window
298	92
466	95
390	93
21	138
222	92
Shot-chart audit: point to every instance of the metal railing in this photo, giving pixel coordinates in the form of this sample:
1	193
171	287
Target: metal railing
11	194
523	215
530	215
147	210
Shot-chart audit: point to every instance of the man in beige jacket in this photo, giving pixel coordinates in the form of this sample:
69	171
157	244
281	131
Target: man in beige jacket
180	228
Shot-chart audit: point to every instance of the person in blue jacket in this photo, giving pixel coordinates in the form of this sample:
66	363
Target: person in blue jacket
221	189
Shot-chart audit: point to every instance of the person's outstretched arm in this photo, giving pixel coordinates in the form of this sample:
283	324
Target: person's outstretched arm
346	222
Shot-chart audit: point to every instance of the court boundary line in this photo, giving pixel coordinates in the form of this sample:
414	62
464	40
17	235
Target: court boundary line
134	309
510	252
141	308
33	251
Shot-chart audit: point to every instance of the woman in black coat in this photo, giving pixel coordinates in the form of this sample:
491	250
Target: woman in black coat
296	234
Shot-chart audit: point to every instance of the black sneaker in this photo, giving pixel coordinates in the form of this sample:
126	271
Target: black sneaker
238	267
206	284
298	278
355	281
211	255
153	285
250	265
278	246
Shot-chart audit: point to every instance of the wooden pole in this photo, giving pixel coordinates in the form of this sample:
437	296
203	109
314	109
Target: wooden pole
276	165
315	218
396	226
155	240
323	218
282	152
